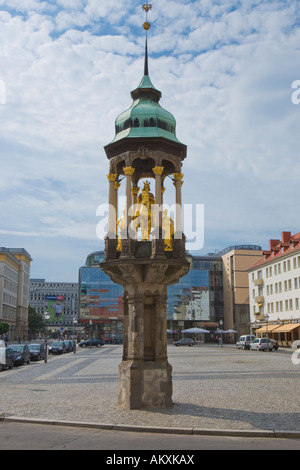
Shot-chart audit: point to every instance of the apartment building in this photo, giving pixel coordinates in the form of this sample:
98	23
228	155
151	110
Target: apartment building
274	290
14	288
236	262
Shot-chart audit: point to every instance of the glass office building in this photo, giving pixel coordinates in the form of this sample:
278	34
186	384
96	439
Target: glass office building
197	300
101	308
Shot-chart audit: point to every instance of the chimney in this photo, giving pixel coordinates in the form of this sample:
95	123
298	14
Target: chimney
272	244
285	237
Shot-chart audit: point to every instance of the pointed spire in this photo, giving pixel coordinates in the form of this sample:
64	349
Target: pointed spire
146	58
146	26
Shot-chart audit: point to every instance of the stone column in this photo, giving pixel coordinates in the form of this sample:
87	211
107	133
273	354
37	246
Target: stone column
178	183
128	171
131	376
127	247
157	170
161	327
112	209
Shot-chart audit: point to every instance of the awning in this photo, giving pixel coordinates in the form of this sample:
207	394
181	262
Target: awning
287	327
264	329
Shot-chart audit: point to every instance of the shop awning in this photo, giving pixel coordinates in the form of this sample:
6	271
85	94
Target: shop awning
263	329
287	327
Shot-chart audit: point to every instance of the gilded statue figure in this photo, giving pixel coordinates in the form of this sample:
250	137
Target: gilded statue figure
142	217
168	231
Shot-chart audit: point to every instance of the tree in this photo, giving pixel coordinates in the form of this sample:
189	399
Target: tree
35	322
4	327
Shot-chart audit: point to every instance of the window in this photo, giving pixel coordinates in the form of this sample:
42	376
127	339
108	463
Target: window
284	266
295	282
279	268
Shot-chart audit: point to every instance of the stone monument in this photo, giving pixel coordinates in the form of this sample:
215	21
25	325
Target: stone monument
144	248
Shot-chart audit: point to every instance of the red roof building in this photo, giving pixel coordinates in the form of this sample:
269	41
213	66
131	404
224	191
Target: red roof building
274	290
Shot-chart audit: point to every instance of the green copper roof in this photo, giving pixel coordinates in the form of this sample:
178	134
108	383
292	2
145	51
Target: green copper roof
145	117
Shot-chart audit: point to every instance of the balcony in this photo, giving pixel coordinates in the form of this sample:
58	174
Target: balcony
259	316
259	300
258	282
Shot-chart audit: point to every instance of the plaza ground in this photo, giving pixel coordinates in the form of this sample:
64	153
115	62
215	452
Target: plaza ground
214	388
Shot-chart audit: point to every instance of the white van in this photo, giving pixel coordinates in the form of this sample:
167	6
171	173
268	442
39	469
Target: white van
244	341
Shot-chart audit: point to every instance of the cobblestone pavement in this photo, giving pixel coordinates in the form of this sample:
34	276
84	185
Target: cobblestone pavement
213	388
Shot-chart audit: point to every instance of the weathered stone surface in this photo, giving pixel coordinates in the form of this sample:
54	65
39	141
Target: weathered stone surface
145	376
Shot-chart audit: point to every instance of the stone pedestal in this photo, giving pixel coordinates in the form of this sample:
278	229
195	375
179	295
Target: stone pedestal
145	376
145	384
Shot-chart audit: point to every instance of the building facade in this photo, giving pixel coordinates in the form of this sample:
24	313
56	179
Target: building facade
60	300
274	290
236	261
197	300
14	288
215	289
101	309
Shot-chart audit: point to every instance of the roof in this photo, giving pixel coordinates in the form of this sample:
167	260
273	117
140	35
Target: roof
278	249
145	118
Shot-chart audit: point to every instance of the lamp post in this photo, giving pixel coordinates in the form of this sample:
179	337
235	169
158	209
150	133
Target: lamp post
74	335
267	319
90	322
221	324
46	316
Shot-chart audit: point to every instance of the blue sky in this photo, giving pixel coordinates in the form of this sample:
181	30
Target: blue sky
225	69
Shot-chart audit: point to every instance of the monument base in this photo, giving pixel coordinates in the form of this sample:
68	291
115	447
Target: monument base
145	384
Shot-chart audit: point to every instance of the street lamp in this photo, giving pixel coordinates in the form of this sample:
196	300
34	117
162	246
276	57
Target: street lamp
267	319
46	316
74	334
90	322
221	324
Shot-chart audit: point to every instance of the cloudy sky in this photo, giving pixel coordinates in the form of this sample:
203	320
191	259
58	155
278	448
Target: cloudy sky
225	69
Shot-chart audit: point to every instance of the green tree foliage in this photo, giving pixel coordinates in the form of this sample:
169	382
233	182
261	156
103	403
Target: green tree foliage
4	327
35	322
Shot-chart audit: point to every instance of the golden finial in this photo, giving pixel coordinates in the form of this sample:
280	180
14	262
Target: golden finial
146	7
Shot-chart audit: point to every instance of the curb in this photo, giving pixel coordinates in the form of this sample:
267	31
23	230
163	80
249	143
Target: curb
187	431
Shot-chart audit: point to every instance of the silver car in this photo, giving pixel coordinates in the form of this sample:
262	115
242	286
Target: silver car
261	344
244	341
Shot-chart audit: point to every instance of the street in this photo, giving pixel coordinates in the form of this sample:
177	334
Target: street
214	389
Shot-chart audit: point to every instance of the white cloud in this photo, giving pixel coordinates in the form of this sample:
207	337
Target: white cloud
225	71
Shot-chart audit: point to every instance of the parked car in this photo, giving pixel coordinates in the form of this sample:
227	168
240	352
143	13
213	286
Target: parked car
274	343
261	344
69	345
57	347
91	342
37	352
184	342
8	359
21	354
244	341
